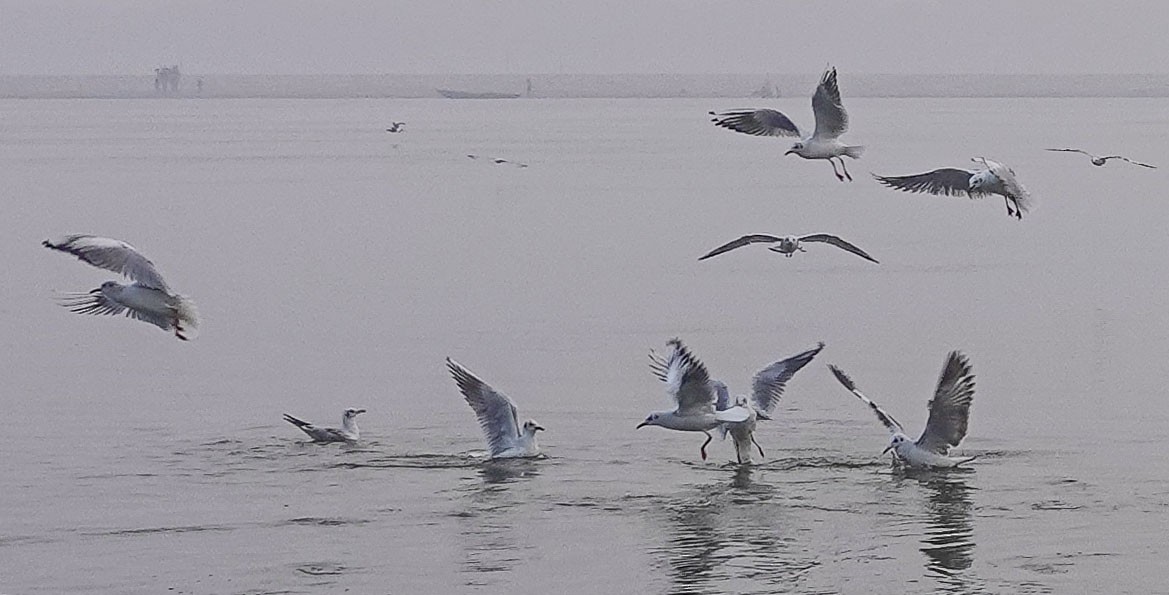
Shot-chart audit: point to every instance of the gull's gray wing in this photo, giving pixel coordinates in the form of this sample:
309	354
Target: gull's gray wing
767	386
739	243
1080	151
756	122
892	424
98	303
950	407
497	414
831	119
947	181
1129	160
687	381
317	434
657	365
722	400
839	243
111	255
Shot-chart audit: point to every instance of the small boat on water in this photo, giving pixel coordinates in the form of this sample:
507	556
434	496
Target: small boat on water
449	94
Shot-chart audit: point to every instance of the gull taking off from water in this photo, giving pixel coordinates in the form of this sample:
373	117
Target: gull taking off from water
831	122
506	438
949	181
147	299
348	431
787	245
1102	160
949	412
766	390
688	384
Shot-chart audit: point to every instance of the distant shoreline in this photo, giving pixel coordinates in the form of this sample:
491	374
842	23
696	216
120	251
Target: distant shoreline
398	86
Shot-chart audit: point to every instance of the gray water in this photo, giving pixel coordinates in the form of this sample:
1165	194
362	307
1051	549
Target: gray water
336	265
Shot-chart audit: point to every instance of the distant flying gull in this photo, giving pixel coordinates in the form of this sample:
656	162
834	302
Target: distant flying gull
348	431
506	438
787	245
995	179
831	122
1102	160
147	299
689	385
395	126
949	412
766	390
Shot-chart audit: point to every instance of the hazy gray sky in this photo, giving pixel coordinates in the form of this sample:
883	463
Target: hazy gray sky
552	36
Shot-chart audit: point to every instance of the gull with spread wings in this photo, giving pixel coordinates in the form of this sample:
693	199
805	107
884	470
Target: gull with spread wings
147	299
946	427
787	245
688	384
1098	161
823	143
348	431
995	178
506	438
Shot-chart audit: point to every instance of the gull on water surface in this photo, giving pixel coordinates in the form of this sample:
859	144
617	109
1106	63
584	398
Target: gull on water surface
950	181
147	299
348	431
766	390
498	417
688	384
1102	160
946	426
787	245
823	143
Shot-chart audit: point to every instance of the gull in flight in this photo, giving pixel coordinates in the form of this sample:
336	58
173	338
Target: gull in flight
688	384
348	431
831	122
949	412
996	178
787	245
147	299
1102	160
395	126
506	438
766	390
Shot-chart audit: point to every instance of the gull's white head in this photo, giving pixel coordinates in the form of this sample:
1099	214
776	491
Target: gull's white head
796	148
897	442
720	389
657	418
352	413
741	401
106	285
531	427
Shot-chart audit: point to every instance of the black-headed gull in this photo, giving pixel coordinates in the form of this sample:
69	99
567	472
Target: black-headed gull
348	431
1102	160
787	245
823	143
946	426
498	417
395	126
147	299
996	178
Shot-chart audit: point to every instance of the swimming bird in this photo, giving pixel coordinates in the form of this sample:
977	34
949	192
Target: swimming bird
348	431
949	413
395	126
787	245
831	122
766	390
996	178
688	384
147	299
498	417
1102	160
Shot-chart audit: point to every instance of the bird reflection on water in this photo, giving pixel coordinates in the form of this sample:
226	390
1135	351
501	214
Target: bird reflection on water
485	523
948	540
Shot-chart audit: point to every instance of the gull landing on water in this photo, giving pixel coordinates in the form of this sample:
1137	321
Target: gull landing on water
787	245
946	427
147	299
831	122
688	384
348	431
506	438
1098	161
995	179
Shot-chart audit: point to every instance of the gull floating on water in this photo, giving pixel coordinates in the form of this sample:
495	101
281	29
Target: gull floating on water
1102	160
831	122
949	181
348	431
787	245
949	413
395	126
147	299
688	384
498	417
766	390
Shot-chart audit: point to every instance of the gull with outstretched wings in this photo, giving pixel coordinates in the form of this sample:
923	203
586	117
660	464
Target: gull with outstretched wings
1098	161
994	178
787	245
498	417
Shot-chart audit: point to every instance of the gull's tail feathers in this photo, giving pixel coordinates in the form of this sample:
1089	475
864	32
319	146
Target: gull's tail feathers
854	151
966	460
296	422
186	318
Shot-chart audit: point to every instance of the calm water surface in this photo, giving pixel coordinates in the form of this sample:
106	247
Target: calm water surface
336	265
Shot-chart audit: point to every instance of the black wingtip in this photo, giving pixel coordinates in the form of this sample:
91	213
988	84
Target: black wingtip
842	377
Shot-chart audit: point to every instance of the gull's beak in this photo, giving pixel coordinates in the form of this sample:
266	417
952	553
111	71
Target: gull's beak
789	151
538	429
641	425
95	291
360	411
887	449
